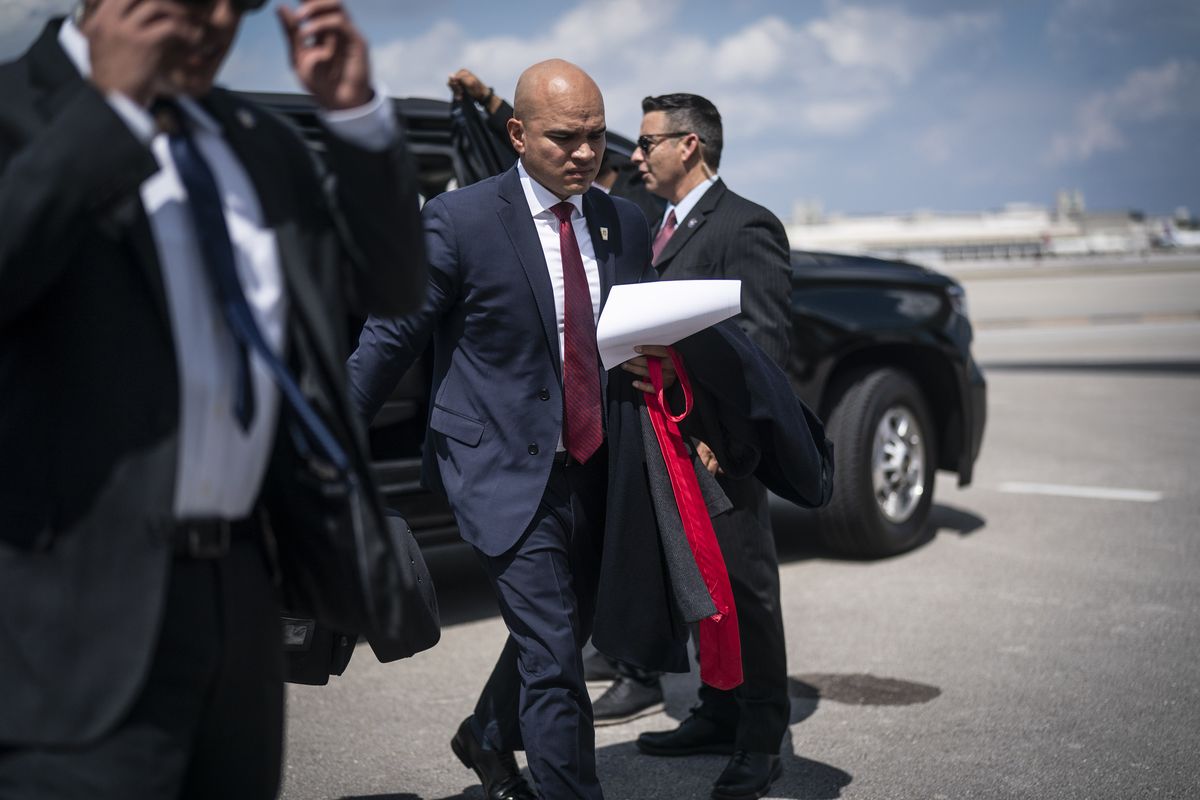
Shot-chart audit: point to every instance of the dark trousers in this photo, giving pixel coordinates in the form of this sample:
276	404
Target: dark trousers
536	698
209	721
758	710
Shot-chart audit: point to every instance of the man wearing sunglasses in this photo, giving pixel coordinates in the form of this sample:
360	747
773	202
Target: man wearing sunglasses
708	231
172	295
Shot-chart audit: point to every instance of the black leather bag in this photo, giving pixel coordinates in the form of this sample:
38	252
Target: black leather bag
348	570
422	626
314	651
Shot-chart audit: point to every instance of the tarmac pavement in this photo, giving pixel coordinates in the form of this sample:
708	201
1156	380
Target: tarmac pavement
1042	643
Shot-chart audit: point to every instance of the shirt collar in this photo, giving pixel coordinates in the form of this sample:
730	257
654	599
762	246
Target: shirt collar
685	206
541	199
75	45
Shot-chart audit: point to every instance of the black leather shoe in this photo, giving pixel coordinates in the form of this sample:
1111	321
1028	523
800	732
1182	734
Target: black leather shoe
627	699
748	776
693	736
498	772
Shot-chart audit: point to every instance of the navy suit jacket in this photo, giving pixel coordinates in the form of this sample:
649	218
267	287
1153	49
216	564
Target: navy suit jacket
496	404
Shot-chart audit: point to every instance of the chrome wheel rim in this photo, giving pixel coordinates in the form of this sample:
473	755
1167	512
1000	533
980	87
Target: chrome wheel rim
898	464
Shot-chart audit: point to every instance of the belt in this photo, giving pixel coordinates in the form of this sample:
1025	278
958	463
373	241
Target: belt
211	538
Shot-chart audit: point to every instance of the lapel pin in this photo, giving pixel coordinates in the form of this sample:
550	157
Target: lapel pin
604	234
692	222
245	117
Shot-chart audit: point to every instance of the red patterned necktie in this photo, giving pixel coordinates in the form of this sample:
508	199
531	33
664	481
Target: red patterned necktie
582	432
664	235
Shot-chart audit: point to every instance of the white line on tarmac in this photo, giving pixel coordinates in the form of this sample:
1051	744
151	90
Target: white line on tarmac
1089	492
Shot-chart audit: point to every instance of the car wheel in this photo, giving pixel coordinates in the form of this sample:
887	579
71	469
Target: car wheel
885	453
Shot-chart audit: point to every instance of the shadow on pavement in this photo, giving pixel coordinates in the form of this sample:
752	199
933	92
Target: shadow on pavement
954	520
463	590
634	776
856	689
806	779
798	538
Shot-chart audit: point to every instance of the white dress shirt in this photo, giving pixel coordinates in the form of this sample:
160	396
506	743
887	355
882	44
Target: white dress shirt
685	206
220	467
541	200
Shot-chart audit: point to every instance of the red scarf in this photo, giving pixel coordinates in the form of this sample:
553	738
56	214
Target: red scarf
720	645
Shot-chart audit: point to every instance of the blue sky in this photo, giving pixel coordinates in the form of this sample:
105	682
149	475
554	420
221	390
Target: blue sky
859	106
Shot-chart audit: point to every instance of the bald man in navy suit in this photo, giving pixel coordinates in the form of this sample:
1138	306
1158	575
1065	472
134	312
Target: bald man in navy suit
520	266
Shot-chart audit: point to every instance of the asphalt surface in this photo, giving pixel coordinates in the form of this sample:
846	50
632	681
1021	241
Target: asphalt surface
1036	646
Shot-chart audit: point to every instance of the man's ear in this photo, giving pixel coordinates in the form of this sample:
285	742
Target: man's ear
691	149
516	135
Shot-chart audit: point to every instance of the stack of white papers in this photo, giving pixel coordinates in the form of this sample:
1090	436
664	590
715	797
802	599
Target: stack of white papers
662	312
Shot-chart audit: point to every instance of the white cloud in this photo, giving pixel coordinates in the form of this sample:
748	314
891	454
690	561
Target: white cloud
16	13
20	21
416	66
767	164
830	77
890	40
756	53
837	117
1145	95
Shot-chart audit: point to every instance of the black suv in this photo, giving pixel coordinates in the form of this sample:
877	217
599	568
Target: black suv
881	349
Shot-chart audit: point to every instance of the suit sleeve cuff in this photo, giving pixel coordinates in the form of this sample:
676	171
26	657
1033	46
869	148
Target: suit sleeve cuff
371	126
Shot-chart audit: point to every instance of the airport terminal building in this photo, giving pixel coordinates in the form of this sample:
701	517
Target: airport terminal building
1018	231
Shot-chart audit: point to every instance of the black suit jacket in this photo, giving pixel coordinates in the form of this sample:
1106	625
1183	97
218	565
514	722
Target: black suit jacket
727	236
88	374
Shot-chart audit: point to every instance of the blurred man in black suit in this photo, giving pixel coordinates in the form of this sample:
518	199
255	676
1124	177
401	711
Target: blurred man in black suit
173	290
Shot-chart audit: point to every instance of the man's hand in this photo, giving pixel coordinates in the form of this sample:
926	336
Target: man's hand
129	41
638	367
709	459
329	55
465	82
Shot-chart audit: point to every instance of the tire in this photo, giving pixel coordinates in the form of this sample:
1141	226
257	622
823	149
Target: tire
880	407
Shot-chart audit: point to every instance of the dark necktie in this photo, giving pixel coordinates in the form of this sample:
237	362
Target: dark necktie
582	431
216	249
664	235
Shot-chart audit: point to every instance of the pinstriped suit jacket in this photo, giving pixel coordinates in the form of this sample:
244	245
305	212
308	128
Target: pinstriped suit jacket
727	236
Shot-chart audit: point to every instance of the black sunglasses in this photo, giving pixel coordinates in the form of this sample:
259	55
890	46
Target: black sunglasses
648	142
241	6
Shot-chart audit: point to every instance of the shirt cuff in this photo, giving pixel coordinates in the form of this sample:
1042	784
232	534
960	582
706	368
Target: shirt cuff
371	126
140	123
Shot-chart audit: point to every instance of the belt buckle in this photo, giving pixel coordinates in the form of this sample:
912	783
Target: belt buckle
202	545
